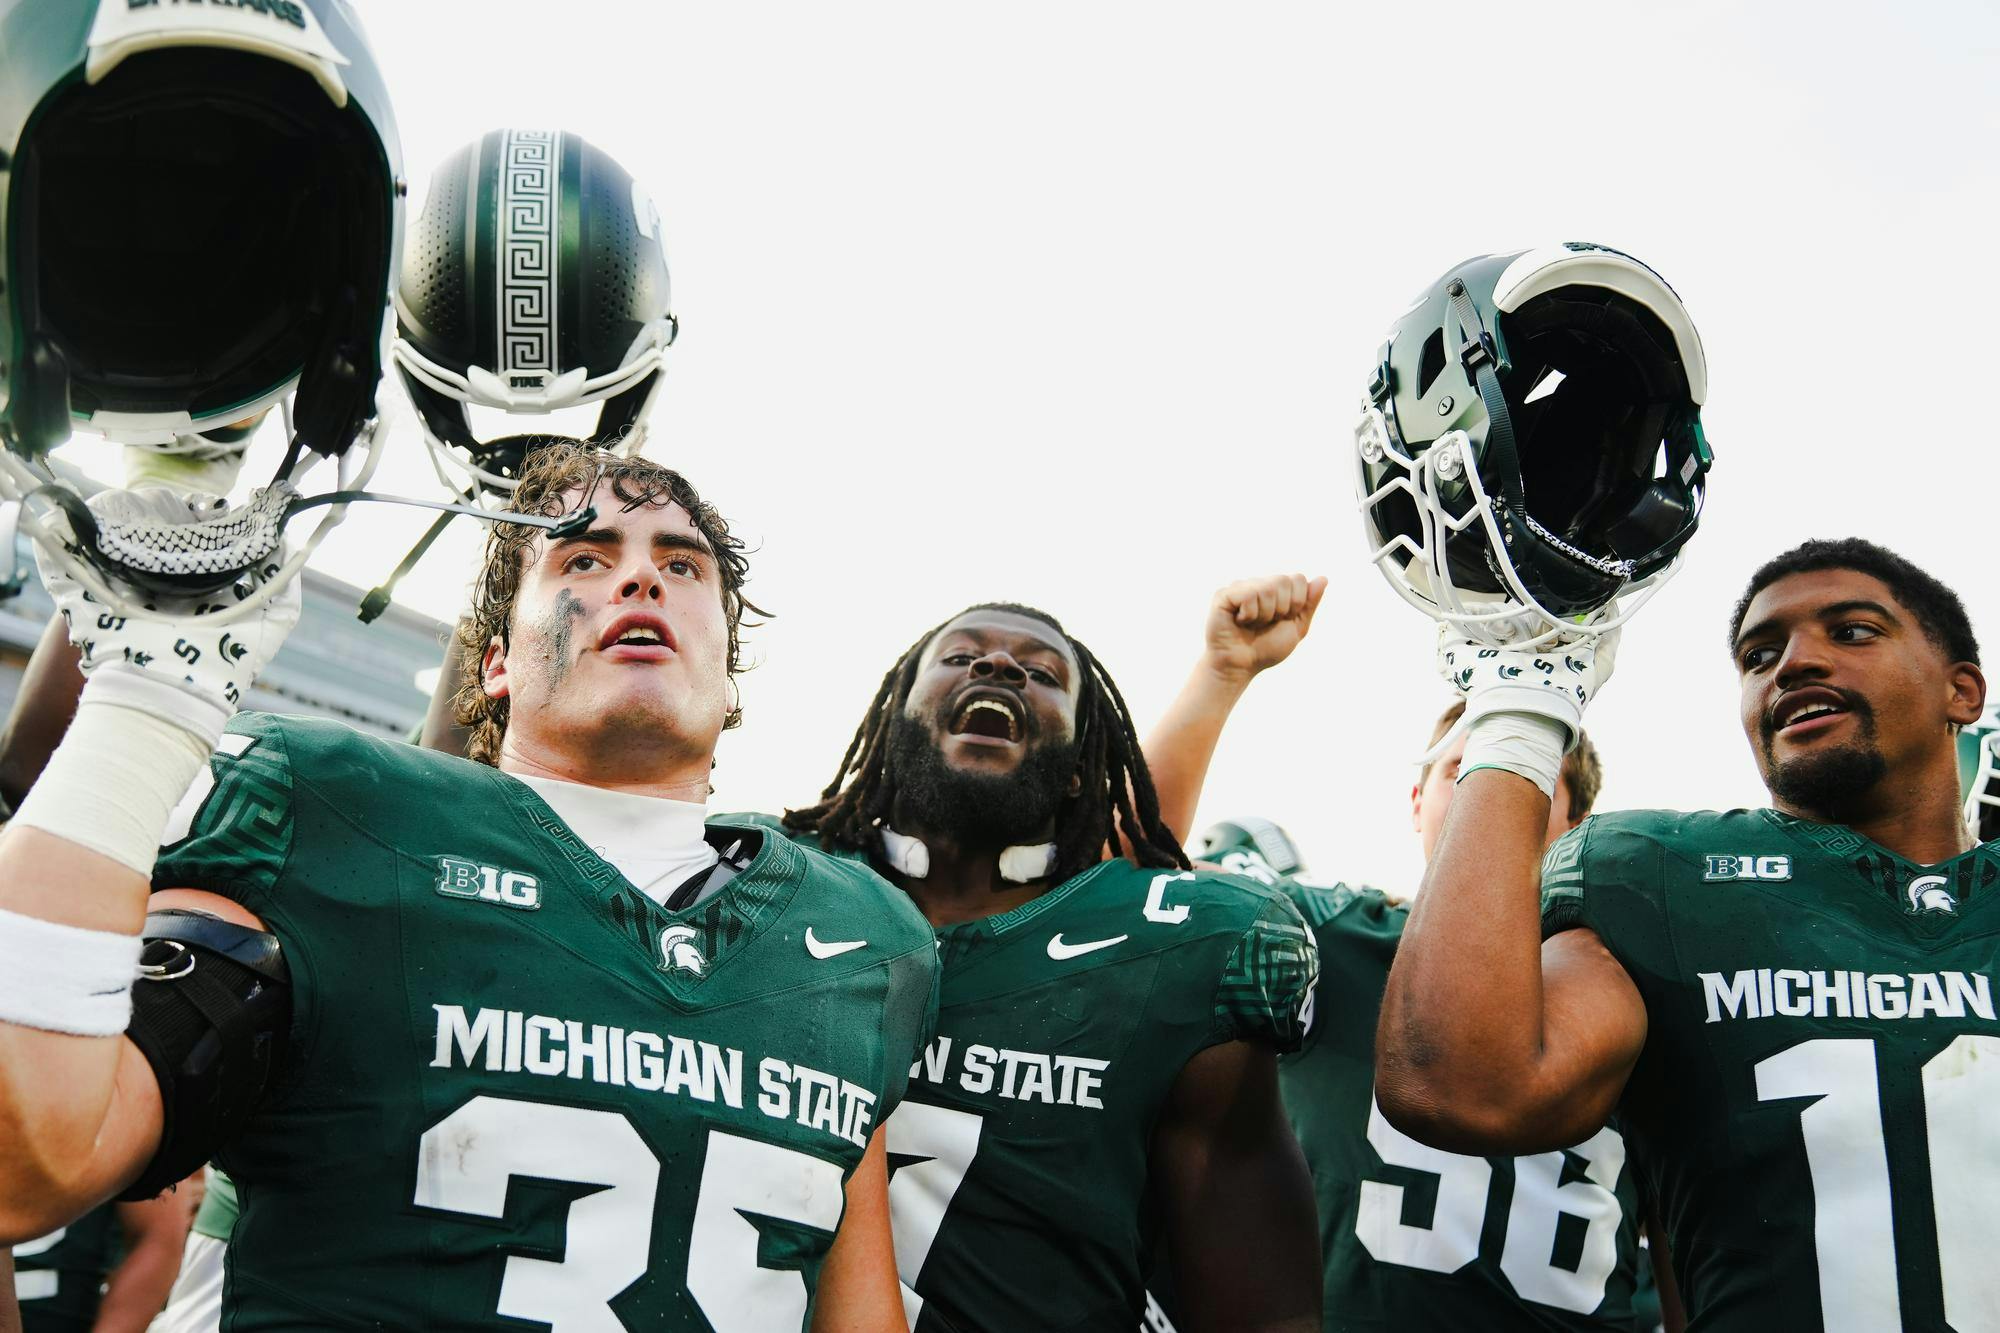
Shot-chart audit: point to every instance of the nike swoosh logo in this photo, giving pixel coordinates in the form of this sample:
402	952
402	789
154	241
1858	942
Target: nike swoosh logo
819	948
1059	951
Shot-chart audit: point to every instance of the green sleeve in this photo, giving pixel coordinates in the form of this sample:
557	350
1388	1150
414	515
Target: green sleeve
911	1021
1269	976
233	831
1607	875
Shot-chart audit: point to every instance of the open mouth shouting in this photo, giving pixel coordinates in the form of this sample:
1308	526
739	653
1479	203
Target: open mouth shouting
638	636
1807	712
988	717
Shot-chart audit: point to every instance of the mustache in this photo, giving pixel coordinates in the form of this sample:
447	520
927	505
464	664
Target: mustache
1864	712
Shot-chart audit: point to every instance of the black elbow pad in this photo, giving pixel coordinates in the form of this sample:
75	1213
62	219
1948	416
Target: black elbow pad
211	1011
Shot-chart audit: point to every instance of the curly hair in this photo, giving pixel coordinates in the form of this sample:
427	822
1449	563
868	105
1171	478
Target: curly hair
554	471
1116	785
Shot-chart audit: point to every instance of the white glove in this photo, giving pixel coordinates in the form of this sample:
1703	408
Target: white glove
1524	709
179	669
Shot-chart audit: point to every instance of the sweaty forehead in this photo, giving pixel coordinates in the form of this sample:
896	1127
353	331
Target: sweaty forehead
1011	630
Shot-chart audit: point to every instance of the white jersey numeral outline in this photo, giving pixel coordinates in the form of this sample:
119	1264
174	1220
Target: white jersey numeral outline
1451	1241
1847	1155
466	1161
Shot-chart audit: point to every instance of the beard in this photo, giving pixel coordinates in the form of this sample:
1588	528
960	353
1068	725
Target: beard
979	810
1833	782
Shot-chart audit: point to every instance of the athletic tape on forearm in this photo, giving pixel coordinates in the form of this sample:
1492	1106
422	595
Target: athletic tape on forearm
121	768
1525	743
64	978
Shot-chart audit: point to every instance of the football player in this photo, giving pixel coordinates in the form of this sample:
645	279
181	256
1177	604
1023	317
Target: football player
1383	1269
477	1043
108	1271
1487	1255
1105	1066
1791	1008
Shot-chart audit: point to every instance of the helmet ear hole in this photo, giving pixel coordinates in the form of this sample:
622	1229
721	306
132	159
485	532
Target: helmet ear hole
1431	364
43	421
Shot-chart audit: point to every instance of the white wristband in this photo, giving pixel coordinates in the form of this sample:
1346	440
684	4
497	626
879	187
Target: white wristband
64	978
118	774
1525	743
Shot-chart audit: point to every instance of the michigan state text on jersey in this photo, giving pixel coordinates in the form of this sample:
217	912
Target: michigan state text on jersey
569	1098
1821	1014
1788	1006
508	1080
1019	1161
1095	1014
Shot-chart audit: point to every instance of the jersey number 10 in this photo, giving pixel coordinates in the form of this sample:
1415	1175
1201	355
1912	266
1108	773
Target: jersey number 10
1853	1228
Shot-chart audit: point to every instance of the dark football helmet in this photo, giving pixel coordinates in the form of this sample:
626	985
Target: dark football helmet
536	280
1531	447
202	211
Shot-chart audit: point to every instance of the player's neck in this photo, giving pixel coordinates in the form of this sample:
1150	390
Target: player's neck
637	771
962	883
1918	817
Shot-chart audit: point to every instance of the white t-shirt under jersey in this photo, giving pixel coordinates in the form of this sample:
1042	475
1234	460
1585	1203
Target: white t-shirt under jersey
652	841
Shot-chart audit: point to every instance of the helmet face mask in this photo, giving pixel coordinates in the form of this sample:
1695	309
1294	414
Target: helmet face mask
266	285
536	281
1531	446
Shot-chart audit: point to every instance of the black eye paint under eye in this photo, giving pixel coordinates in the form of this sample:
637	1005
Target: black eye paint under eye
561	629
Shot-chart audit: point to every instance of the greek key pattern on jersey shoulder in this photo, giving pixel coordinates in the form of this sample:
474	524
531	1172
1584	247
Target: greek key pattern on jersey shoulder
1321	903
242	833
1265	983
530	200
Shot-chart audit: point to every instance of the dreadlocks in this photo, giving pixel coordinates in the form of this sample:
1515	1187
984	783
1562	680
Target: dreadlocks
1116	790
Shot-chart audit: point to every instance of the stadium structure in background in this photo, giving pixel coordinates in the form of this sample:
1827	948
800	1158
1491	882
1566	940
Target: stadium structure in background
332	665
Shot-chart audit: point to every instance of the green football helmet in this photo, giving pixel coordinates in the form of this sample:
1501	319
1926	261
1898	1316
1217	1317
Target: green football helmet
200	211
1979	775
1531	447
535	280
1250	846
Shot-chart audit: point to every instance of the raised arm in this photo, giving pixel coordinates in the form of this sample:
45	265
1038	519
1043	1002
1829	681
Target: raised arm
1240	1217
1252	625
80	1109
1491	1041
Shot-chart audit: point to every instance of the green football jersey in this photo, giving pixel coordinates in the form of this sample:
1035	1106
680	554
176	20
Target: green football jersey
59	1277
1811	1108
1019	1188
517	1093
1412	1237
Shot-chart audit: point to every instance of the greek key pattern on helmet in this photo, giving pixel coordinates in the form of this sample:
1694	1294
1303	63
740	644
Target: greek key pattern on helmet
530	176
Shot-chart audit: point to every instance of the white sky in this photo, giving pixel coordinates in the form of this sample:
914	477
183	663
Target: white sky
1071	303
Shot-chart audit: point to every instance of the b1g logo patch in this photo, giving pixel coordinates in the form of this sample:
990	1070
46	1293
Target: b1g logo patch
1718	868
459	878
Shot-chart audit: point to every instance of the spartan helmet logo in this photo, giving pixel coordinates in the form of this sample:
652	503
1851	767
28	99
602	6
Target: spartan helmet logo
678	952
1927	893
